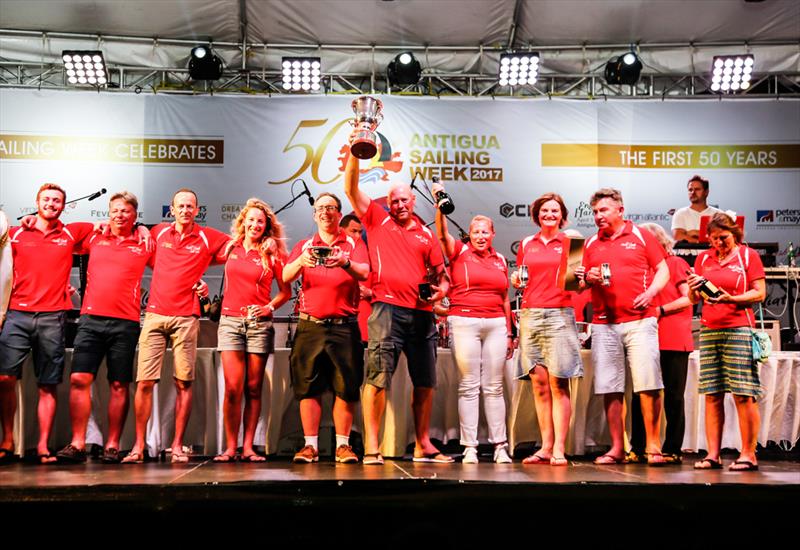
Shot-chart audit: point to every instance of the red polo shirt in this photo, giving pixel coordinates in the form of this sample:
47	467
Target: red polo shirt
178	265
247	281
113	276
543	261
734	277
399	258
330	291
633	256
479	284
42	262
674	329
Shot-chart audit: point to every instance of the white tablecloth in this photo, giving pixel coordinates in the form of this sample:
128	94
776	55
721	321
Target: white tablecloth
279	429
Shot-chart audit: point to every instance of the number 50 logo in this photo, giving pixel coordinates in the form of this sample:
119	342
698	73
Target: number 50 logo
313	156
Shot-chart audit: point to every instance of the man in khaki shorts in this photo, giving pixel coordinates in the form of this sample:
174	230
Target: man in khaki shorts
183	252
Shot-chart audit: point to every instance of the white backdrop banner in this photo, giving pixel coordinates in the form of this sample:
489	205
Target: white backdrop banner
495	156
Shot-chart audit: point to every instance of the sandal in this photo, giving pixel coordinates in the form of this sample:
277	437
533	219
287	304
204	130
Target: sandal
655	459
48	458
711	464
558	461
434	457
179	458
223	458
253	458
7	456
747	466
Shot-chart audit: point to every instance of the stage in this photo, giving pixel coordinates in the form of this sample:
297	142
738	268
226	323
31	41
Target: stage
406	504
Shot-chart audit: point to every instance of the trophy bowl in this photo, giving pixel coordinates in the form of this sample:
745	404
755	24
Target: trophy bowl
321	253
368	115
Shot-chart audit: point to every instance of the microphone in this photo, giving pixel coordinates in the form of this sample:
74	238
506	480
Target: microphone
443	201
306	191
97	194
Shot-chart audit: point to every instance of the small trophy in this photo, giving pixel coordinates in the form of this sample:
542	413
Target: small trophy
368	115
321	253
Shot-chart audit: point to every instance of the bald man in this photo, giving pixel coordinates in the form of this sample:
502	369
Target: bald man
404	257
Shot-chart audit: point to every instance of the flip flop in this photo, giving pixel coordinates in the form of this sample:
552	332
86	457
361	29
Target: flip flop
558	461
537	459
253	458
133	458
655	459
373	459
179	458
434	457
7	456
712	464
223	458
748	466
608	460
48	458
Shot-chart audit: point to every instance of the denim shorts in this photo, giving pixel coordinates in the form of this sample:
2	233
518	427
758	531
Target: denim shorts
549	337
239	334
394	329
106	337
39	332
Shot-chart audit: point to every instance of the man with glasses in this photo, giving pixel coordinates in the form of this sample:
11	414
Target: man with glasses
327	352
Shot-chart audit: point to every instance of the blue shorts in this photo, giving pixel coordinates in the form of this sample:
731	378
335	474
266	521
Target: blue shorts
393	329
39	332
107	338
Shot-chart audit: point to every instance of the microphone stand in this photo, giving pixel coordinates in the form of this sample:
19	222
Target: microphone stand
292	201
90	196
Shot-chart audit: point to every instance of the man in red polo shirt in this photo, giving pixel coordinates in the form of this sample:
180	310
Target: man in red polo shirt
183	252
625	267
109	326
37	313
327	352
403	256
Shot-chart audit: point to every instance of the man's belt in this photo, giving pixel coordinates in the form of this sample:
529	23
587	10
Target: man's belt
329	321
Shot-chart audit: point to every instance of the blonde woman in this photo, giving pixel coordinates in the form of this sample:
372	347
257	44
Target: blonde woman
255	258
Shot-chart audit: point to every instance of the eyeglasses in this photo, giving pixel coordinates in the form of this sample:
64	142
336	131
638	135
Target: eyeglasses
326	208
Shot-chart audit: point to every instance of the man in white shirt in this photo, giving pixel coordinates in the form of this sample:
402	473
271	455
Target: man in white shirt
686	220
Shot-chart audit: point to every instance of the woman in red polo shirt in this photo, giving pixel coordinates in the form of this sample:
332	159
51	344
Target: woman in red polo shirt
246	337
726	354
480	331
675	343
548	341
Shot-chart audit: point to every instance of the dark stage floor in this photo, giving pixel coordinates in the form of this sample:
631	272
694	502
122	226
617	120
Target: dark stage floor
448	505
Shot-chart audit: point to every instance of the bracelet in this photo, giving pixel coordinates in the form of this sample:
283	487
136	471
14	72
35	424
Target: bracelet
347	264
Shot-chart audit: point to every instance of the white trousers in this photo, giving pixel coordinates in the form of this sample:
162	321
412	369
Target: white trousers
479	350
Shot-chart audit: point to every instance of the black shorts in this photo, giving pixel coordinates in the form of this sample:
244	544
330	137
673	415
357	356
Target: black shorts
327	356
39	332
393	329
107	338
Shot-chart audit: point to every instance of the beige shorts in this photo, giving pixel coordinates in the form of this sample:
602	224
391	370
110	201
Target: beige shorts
180	332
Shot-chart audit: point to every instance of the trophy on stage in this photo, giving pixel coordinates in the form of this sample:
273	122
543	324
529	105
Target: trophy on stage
368	115
321	253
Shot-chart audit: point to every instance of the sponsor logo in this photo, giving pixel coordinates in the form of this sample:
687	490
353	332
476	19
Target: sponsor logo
629	246
193	248
103	214
515	248
455	157
777	218
583	216
514	210
166	215
60	241
229	212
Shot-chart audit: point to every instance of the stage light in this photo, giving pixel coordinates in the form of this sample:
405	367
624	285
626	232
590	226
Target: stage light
623	69
731	73
301	74
204	65
518	68
404	69
85	68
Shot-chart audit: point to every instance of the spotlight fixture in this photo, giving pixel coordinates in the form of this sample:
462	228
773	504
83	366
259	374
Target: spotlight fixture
623	69
518	69
404	69
204	65
301	74
731	73
85	68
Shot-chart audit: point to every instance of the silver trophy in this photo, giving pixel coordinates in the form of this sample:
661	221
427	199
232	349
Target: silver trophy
321	253
523	276
368	115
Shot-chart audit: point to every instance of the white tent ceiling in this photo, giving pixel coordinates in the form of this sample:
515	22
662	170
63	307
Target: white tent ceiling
452	36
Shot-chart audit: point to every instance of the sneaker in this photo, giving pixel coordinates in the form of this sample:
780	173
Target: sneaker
71	454
345	454
470	456
306	455
501	455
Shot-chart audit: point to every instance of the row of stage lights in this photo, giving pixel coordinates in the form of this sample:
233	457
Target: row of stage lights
87	68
